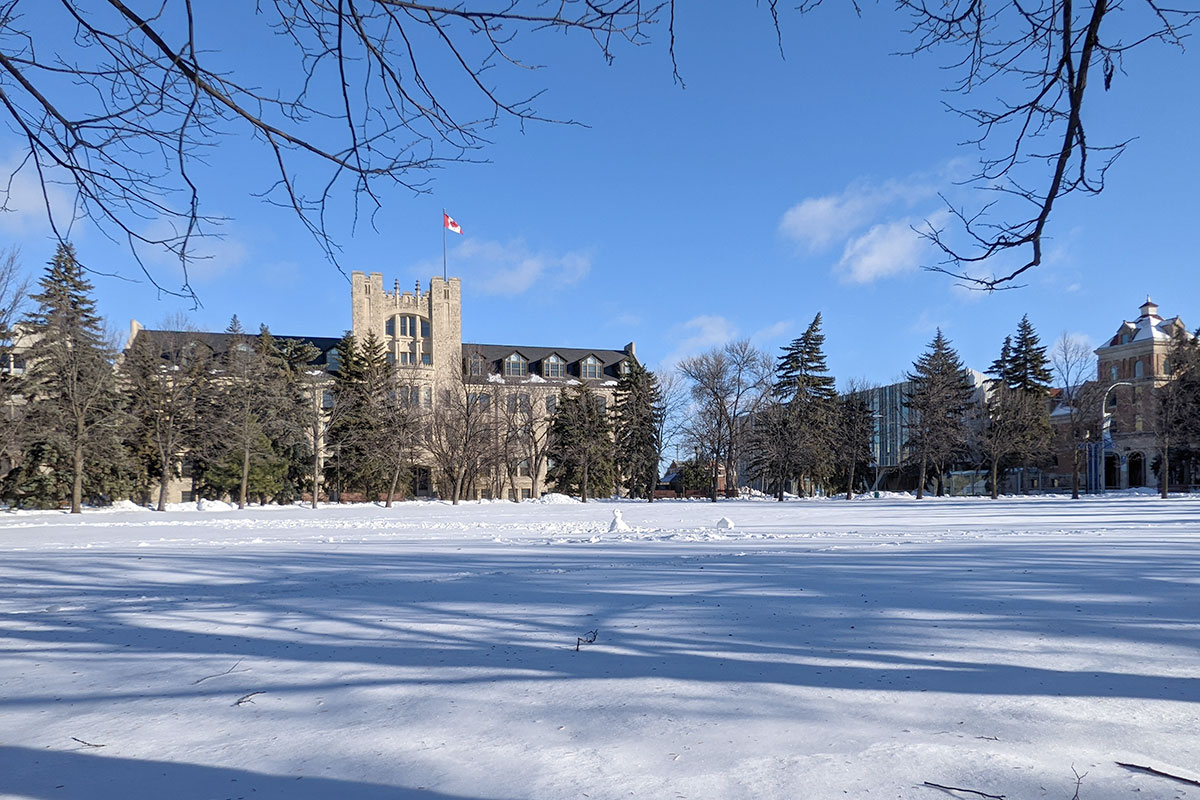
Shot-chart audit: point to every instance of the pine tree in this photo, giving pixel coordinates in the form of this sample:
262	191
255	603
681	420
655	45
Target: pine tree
806	391
1018	415
940	394
75	407
581	444
639	406
855	429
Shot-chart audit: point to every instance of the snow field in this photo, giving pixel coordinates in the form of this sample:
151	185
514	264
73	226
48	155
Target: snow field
815	649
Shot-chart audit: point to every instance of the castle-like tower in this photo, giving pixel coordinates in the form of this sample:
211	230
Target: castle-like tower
421	330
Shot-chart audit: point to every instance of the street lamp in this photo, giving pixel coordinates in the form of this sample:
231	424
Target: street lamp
1105	423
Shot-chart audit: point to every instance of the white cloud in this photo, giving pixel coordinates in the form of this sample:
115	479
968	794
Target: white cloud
512	268
819	222
699	334
887	249
771	333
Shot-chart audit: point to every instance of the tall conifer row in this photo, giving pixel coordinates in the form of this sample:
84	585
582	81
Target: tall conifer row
940	394
638	445
74	403
581	445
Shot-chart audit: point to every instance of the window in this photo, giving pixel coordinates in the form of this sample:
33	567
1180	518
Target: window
1138	369
551	405
526	494
1112	372
427	359
408	326
427	397
481	400
600	403
589	368
553	367
187	468
333	358
391	357
512	495
389	327
187	496
624	367
406	358
476	365
327	399
515	366
424	329
519	401
523	468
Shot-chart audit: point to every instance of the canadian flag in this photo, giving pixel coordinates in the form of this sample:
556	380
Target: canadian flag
449	224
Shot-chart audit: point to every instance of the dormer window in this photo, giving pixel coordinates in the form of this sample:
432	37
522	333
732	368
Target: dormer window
516	366
589	368
476	365
623	368
553	367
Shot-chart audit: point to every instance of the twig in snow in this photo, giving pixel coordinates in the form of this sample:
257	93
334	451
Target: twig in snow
85	744
587	638
1159	773
1078	782
968	791
246	698
989	738
219	674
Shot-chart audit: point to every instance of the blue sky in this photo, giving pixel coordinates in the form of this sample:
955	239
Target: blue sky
767	190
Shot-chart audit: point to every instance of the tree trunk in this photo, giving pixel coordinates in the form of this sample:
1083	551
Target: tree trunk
316	464
163	478
850	482
1074	469
995	478
392	488
921	480
77	483
245	475
1164	474
583	489
458	485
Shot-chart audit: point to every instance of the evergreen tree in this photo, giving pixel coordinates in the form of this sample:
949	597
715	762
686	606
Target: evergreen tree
74	405
581	444
940	394
806	390
288	393
639	406
164	378
1019	429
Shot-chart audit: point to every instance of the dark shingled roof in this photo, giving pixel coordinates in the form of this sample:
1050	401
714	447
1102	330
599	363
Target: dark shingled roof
495	354
218	343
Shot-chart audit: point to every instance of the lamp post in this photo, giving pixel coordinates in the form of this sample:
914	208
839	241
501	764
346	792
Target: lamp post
1105	422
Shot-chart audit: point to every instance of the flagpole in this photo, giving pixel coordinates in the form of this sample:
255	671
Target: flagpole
444	244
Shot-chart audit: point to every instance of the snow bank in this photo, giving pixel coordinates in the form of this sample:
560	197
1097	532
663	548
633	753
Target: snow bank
554	499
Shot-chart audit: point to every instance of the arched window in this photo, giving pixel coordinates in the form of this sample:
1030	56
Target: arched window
589	368
553	367
515	366
1138	369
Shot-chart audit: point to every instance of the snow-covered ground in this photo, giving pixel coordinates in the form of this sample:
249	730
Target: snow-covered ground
816	649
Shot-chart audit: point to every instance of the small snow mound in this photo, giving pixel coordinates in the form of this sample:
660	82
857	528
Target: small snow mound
553	498
725	523
126	505
617	525
213	505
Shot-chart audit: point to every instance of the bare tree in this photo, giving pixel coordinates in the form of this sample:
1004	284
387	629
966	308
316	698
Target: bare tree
1073	363
1039	60
728	385
462	433
12	297
854	428
367	107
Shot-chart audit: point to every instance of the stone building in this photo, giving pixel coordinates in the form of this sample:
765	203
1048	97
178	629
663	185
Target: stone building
422	332
1134	362
517	384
